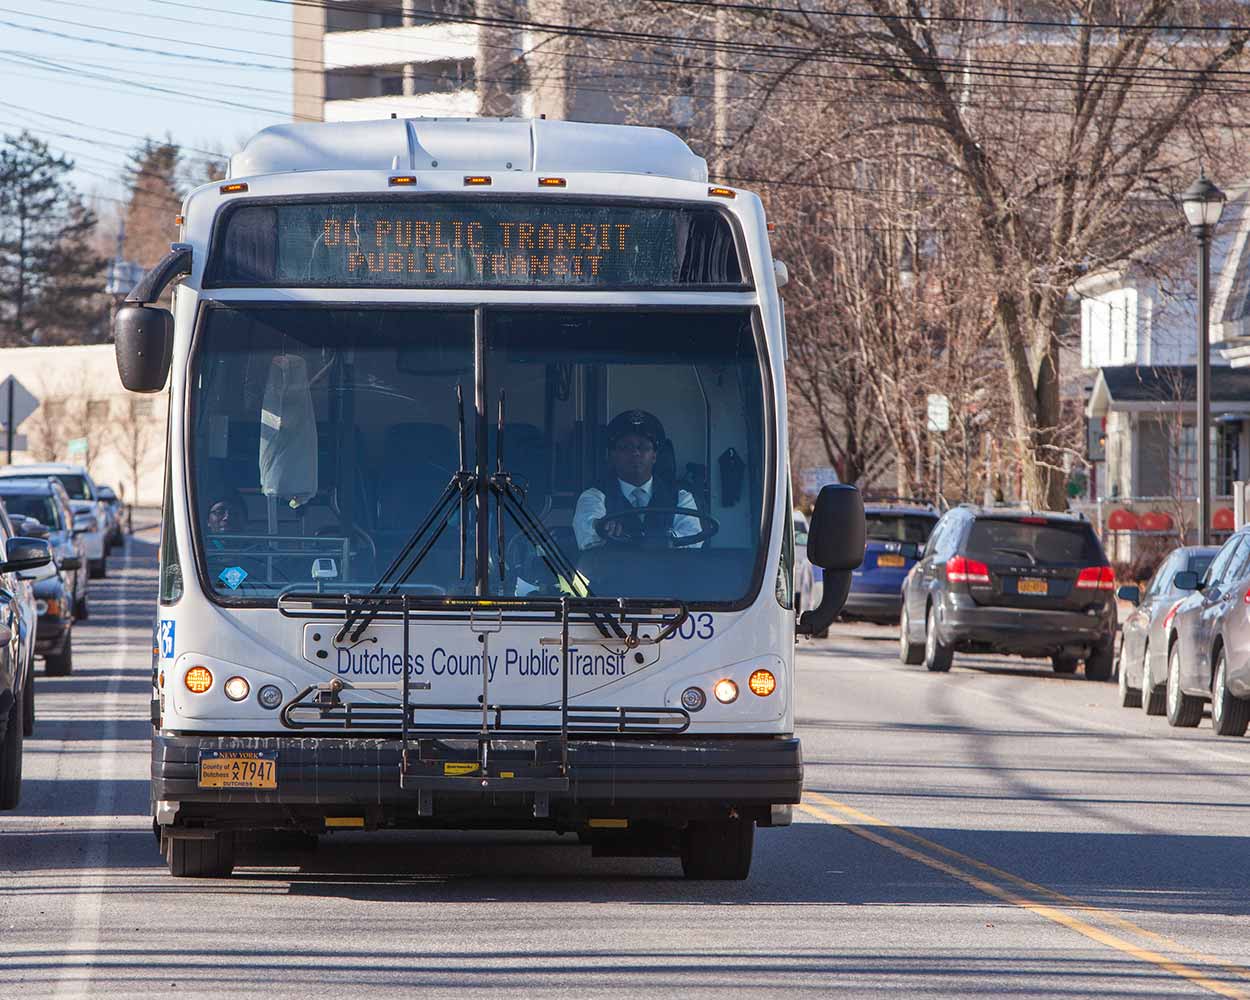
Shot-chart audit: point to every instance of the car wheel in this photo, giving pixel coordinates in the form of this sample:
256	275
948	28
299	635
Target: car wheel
211	858
911	653
28	703
1130	697
1098	662
719	849
11	759
1064	663
1154	699
1230	715
61	663
1184	710
937	655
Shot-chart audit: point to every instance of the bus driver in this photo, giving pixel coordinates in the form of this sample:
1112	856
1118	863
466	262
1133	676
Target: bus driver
634	439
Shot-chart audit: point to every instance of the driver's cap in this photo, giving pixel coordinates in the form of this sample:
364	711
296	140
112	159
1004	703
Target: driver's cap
638	422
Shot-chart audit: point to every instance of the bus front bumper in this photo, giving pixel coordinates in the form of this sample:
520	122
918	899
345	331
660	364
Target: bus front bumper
320	779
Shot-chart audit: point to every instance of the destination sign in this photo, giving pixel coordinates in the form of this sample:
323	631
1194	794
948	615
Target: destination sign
405	243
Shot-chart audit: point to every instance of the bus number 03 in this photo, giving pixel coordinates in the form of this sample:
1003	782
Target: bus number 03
697	626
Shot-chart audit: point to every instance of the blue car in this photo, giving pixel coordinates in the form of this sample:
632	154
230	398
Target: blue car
896	534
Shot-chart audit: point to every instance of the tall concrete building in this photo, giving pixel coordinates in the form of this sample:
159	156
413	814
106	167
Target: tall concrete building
438	58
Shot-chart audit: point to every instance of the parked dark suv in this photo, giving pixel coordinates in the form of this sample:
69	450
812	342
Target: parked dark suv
1005	581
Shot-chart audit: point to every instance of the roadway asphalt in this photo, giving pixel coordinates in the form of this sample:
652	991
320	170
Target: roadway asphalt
995	831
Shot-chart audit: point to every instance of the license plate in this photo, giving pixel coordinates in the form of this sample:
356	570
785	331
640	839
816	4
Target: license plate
888	560
1029	585
238	769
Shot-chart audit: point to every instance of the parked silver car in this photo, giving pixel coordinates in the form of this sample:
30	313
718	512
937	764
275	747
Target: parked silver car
1143	652
1208	640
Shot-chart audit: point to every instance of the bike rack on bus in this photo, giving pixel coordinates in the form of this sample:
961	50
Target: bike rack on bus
437	766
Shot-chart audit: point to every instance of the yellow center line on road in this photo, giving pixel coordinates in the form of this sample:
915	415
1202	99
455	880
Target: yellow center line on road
859	823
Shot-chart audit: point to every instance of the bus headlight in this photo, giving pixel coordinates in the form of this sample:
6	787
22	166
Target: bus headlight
726	691
198	680
762	683
693	699
237	688
269	696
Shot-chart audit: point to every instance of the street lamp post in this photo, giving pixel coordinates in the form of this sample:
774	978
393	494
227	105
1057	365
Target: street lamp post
1203	203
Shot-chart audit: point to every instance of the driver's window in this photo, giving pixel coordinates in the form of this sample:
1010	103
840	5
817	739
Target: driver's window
640	441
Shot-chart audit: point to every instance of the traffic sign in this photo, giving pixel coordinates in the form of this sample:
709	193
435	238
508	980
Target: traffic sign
939	413
24	401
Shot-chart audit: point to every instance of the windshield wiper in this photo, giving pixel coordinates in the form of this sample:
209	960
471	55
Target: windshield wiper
511	497
454	495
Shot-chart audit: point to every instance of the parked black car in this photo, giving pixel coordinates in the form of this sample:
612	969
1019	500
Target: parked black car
20	554
1006	581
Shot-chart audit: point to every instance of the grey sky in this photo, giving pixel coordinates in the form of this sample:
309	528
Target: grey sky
93	78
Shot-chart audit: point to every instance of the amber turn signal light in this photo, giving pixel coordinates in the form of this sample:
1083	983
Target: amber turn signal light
198	680
762	683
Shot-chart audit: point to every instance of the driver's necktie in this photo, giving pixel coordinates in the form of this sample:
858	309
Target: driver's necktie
639	497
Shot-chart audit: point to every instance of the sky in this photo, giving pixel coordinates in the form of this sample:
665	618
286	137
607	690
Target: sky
92	78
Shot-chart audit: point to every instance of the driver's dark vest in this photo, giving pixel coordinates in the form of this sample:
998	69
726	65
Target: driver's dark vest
654	525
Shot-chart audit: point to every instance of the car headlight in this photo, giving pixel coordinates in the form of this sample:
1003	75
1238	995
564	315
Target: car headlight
41	608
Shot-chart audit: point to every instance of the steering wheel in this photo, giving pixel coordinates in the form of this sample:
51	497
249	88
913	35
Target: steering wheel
710	527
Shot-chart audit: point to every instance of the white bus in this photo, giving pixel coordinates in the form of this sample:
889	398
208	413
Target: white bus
476	503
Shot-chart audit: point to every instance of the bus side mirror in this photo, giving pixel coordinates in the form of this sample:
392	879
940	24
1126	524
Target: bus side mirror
836	538
144	337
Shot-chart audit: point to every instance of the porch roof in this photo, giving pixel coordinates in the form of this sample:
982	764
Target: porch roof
1158	388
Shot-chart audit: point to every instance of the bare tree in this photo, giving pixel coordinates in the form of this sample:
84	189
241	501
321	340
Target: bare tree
133	437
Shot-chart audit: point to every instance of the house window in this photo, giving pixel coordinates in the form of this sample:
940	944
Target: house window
1186	461
1227	457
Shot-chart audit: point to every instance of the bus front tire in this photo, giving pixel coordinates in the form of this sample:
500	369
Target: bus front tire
717	849
211	858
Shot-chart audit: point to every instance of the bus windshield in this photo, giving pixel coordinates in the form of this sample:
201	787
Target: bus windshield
322	436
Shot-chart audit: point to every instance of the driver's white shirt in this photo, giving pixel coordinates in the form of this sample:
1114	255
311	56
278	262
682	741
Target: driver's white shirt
592	505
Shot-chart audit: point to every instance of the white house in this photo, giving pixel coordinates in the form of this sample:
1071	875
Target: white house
1139	339
86	416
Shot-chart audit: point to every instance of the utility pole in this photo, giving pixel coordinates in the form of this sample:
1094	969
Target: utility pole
720	92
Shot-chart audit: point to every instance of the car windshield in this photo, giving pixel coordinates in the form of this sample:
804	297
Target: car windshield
1036	540
76	486
329	433
899	527
42	508
1199	563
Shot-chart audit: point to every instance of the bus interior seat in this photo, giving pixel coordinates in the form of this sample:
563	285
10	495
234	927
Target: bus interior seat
419	459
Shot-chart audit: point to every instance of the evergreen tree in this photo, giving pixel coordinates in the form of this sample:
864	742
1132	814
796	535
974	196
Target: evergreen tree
152	176
51	279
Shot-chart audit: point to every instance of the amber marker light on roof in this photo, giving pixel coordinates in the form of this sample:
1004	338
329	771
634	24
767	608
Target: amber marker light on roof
198	680
762	683
179	220
552	182
236	188
404	180
477	180
722	192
